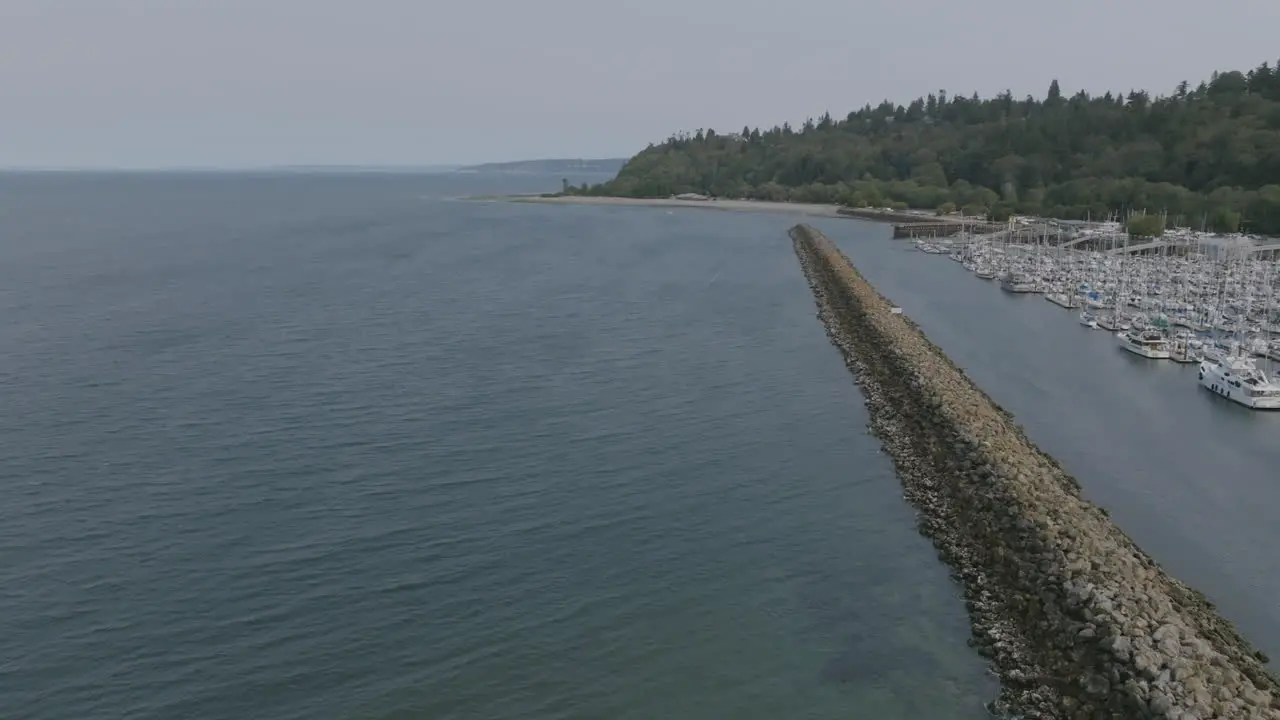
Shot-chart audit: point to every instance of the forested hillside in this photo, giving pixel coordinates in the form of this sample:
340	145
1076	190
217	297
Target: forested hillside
1207	156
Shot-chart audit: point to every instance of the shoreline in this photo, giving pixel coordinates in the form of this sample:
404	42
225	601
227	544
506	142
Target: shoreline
904	219
741	206
1077	621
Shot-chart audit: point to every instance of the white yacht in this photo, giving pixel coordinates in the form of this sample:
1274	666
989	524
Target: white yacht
1088	320
985	272
1237	378
1147	343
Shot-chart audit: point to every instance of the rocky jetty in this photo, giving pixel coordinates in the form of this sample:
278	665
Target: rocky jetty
1077	621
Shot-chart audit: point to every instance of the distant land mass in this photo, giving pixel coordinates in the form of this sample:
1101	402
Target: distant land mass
1205	155
610	166
365	168
301	169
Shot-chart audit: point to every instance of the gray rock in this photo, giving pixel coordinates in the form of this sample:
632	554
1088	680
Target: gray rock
1160	703
1170	647
1166	631
1096	685
1119	645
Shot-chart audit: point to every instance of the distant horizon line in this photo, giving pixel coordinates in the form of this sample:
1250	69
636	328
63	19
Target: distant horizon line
224	168
359	167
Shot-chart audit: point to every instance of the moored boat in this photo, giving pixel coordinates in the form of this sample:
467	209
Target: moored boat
1016	282
1149	343
1062	300
1238	378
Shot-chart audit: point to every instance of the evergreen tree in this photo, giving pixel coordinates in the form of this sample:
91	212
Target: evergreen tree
1055	94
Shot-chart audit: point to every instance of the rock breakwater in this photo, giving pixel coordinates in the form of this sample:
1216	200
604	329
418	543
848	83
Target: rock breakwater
1077	621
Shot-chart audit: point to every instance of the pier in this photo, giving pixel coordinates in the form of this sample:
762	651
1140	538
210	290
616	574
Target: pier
947	228
885	215
1149	246
916	223
1269	250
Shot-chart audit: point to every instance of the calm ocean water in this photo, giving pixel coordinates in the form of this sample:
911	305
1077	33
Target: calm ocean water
344	447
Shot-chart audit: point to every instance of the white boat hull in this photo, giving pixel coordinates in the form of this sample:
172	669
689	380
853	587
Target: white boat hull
1213	380
1146	351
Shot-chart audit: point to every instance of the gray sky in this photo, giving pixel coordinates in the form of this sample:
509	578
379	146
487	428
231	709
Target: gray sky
145	83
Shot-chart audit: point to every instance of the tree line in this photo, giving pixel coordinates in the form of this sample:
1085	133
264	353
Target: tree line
1205	157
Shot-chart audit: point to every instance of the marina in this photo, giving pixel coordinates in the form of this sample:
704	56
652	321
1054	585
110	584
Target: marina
1191	298
950	441
1188	475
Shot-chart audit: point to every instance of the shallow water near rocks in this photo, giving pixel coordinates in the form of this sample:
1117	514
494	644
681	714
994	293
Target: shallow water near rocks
300	446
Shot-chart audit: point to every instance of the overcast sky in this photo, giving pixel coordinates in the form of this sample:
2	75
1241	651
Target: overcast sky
147	83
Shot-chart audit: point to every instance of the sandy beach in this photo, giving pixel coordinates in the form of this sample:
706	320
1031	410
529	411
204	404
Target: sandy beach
747	206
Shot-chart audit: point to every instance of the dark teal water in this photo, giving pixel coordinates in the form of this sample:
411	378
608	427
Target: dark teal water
341	447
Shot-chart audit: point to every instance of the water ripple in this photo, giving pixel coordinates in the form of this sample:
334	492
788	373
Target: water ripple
346	453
